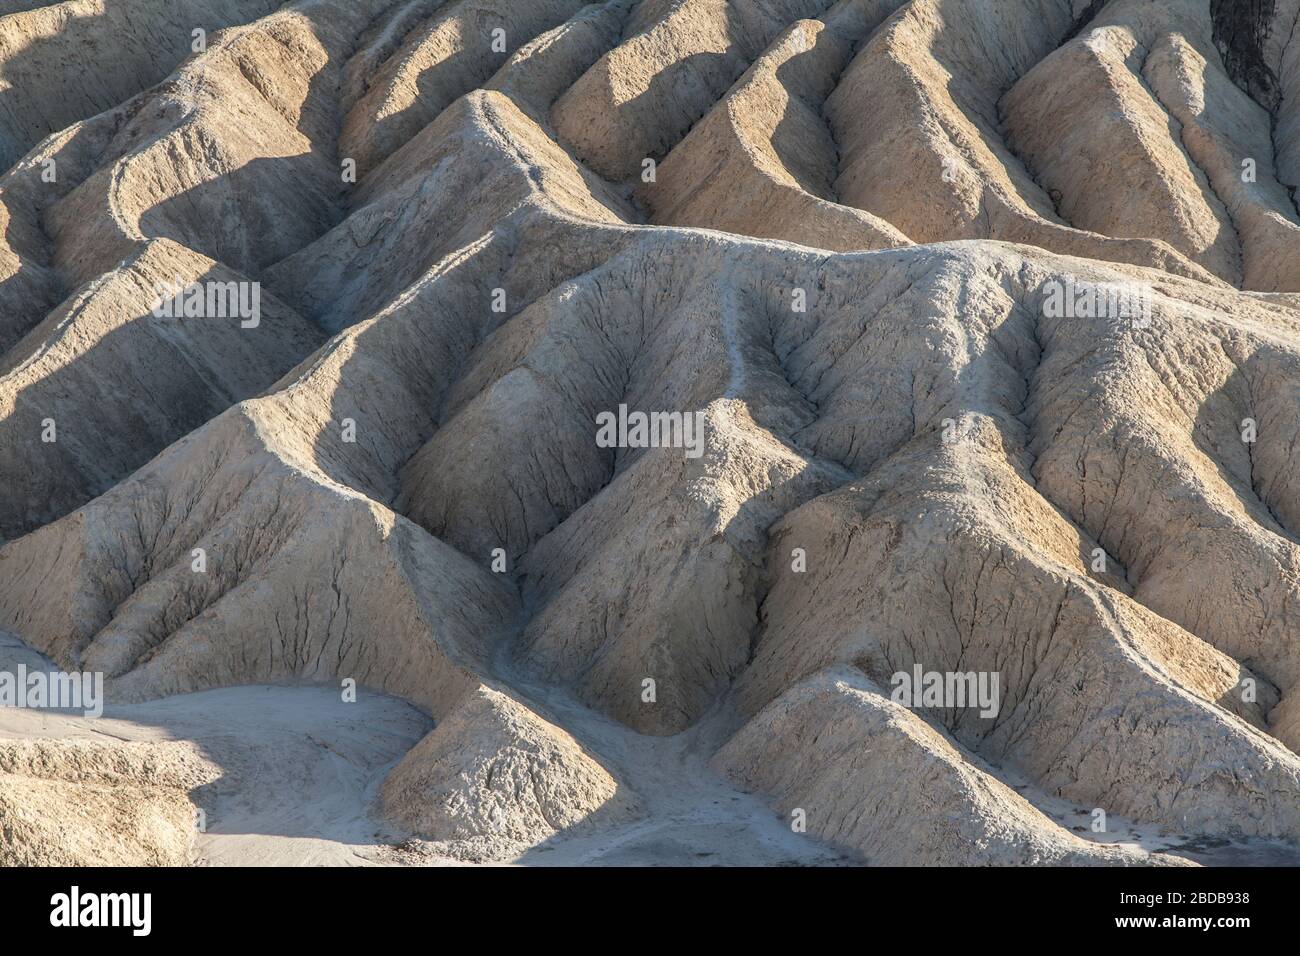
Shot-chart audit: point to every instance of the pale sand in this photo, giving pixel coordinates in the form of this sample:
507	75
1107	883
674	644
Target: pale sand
301	771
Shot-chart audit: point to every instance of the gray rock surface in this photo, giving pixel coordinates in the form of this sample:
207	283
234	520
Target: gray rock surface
831	232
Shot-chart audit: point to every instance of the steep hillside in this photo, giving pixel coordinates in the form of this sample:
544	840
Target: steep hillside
973	327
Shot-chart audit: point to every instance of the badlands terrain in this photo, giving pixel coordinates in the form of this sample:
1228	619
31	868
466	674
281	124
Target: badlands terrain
366	587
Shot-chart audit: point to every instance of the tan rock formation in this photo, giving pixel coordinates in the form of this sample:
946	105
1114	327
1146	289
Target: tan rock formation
973	330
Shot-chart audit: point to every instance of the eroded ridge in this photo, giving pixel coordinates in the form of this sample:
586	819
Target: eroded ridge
967	335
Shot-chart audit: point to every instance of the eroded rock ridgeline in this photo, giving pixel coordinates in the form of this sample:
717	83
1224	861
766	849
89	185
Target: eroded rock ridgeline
477	225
